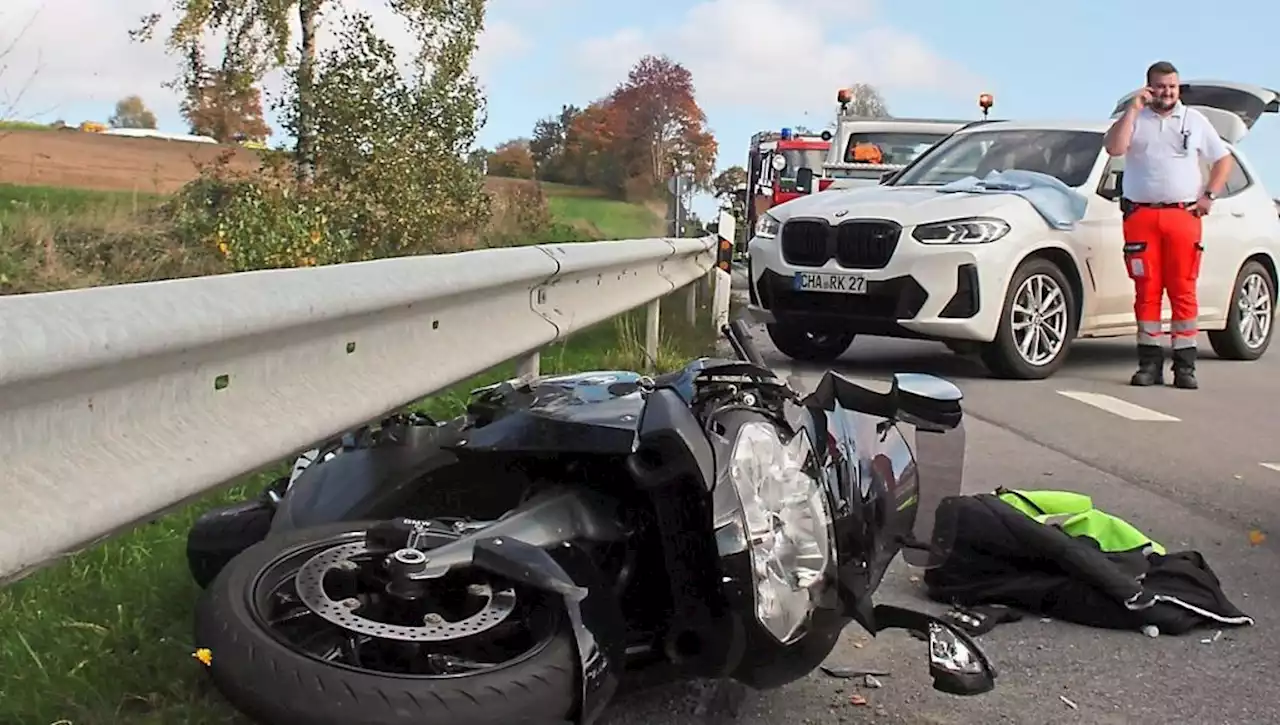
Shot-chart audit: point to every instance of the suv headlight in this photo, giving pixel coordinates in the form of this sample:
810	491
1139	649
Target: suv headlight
786	525
767	227
978	230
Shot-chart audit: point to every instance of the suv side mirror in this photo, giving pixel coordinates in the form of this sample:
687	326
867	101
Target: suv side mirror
804	180
1112	185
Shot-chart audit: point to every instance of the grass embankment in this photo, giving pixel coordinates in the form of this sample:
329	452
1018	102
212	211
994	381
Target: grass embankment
60	238
24	126
104	638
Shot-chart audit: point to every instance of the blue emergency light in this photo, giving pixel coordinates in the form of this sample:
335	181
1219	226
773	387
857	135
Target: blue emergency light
786	133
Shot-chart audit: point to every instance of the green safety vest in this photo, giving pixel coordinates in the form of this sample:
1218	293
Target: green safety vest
1075	515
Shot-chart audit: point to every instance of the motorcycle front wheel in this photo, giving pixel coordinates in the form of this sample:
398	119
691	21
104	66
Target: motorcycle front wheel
301	628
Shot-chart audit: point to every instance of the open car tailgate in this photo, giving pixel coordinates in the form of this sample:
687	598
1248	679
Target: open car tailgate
1232	108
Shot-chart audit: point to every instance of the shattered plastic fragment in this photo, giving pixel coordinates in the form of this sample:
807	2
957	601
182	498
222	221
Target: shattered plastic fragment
1068	703
848	673
1256	537
857	700
870	681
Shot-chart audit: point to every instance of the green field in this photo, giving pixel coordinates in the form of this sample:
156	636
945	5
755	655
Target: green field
104	637
611	219
24	126
58	238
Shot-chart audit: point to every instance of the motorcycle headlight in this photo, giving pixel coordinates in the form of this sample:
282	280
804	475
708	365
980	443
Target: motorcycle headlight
978	230
767	227
787	525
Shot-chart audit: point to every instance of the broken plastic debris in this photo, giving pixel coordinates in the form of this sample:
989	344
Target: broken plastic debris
869	680
857	700
848	673
1068	703
1151	630
1256	537
1210	640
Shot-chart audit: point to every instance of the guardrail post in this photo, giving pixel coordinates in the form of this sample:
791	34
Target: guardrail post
721	288
653	316
691	302
722	273
529	365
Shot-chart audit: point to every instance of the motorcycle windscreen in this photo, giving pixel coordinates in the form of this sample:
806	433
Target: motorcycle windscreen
940	476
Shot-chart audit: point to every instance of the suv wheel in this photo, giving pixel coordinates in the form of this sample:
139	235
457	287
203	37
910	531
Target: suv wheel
1037	325
797	344
1249	321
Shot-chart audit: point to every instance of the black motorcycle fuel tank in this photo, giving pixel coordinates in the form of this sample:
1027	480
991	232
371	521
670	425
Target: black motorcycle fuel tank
508	425
593	412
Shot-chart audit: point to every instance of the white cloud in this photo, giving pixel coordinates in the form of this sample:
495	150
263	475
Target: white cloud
500	43
78	52
772	54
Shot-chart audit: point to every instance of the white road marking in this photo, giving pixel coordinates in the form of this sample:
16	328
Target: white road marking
1272	466
1116	406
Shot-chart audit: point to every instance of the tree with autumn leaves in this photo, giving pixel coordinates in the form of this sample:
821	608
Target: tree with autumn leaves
627	143
225	105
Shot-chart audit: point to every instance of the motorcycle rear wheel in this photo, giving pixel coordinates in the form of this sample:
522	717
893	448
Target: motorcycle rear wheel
270	678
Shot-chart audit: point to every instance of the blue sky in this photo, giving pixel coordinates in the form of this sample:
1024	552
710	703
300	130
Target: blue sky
757	64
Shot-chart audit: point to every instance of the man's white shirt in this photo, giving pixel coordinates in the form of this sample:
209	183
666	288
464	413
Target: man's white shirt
1162	164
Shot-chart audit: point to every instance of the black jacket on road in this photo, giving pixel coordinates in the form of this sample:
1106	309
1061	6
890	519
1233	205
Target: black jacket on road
999	555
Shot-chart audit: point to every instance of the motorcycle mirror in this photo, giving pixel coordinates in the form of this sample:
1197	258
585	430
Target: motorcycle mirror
956	663
927	399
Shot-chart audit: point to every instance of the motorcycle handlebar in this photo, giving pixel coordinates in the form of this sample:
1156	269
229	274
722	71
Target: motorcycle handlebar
740	339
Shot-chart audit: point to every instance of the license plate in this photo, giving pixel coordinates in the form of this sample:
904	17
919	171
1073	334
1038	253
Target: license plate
852	284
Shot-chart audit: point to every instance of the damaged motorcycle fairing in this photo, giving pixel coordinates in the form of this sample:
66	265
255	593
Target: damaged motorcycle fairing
554	471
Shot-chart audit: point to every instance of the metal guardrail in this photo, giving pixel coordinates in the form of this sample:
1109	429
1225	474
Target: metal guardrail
119	403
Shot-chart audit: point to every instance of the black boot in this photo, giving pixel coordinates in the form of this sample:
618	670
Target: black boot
1150	372
1184	368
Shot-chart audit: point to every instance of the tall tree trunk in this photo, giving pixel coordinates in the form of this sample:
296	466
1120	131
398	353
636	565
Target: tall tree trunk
308	16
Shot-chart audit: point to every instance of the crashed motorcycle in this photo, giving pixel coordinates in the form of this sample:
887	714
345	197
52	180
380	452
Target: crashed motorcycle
568	535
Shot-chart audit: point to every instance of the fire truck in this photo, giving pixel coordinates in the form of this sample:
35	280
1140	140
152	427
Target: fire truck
773	164
857	151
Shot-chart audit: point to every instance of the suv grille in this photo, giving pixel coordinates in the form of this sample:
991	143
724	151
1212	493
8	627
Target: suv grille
855	244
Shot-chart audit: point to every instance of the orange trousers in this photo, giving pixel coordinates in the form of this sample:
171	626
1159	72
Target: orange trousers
1162	251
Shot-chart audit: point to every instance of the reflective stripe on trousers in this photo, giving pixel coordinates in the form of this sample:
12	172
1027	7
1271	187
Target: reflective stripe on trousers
1162	252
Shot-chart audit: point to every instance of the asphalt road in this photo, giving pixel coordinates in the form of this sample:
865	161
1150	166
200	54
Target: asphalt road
1187	467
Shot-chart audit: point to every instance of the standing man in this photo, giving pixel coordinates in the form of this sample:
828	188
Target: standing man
1164	197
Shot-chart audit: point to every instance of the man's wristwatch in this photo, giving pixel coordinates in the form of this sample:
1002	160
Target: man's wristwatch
1210	195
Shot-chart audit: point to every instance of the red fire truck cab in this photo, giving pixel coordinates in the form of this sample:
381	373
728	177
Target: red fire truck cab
772	163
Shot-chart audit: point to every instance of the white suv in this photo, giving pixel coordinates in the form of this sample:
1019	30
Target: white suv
908	259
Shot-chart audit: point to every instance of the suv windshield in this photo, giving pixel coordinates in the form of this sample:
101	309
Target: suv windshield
897	149
1068	156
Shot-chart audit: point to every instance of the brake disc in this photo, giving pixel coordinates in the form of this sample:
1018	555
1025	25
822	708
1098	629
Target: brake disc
310	580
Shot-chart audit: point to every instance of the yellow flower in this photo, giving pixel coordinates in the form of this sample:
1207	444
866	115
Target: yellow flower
315	236
222	247
204	655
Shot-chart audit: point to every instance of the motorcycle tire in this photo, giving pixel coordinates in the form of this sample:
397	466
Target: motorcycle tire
275	684
219	535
